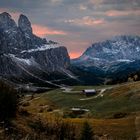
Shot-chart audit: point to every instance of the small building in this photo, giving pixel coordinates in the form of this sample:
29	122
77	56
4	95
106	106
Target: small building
79	111
89	92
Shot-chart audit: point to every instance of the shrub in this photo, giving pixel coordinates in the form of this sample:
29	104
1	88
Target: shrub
119	115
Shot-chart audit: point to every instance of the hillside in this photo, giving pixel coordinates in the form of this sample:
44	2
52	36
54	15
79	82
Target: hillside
108	101
113	111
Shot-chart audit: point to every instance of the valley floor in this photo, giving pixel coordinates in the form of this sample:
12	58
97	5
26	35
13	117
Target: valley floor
113	111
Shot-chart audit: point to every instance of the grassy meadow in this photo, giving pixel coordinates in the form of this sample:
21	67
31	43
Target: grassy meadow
113	114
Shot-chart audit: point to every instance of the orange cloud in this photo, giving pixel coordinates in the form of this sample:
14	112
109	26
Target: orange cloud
3	10
87	20
115	13
42	31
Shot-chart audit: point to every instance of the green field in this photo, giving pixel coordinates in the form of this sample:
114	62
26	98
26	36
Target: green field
125	99
116	113
121	99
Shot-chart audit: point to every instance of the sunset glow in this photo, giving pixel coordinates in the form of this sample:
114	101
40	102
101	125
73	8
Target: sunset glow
42	31
75	55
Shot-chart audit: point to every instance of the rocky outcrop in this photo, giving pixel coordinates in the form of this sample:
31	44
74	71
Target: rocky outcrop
11	38
25	25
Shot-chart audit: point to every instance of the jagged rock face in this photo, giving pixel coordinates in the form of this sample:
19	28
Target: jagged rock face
6	22
15	39
51	59
24	24
112	59
8	67
11	38
104	54
24	54
119	48
31	40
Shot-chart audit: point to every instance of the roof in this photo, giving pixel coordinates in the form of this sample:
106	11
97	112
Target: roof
89	90
79	109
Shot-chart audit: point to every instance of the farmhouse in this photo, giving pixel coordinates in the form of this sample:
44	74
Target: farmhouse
89	92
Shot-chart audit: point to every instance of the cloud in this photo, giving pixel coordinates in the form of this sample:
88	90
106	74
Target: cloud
82	7
96	2
87	20
14	14
43	31
115	13
56	2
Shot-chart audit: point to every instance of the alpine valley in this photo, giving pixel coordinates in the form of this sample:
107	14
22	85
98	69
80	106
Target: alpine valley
45	95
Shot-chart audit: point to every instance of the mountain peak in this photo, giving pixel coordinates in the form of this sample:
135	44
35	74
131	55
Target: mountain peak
118	49
6	21
5	15
24	24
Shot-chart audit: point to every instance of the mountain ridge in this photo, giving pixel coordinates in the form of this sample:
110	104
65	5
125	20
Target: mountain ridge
118	49
27	58
119	56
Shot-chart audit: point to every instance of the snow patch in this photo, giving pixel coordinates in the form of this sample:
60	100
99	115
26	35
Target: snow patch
42	48
23	60
125	60
68	74
27	35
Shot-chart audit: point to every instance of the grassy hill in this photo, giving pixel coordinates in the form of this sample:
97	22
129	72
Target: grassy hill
123	98
113	111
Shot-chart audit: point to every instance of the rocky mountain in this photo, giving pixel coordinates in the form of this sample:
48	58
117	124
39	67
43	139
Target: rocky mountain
26	58
119	56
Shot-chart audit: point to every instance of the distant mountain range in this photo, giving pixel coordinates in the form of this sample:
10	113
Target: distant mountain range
111	59
105	54
28	60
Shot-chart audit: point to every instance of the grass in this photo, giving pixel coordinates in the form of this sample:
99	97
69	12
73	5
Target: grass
80	88
115	128
115	100
124	98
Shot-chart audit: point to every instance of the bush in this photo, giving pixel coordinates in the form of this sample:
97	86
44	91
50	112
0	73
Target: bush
119	115
55	129
8	102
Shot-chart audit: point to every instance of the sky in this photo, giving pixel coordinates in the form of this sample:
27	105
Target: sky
77	24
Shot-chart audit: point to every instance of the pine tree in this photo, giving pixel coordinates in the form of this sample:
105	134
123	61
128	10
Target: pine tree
87	132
